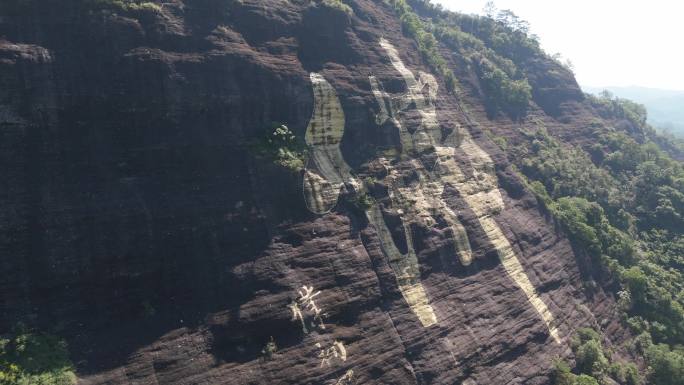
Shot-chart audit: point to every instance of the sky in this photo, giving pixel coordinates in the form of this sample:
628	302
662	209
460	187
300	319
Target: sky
610	42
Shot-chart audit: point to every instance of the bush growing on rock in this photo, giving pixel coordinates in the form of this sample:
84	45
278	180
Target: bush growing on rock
590	358
592	364
426	41
667	367
282	148
589	354
269	349
29	358
502	92
563	376
337	5
626	374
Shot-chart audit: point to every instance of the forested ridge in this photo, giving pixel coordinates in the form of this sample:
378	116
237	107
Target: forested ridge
620	199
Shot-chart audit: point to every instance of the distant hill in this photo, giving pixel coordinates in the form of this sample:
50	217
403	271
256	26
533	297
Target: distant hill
665	107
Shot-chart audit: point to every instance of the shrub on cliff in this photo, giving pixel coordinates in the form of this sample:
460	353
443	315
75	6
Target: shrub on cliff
502	92
666	366
28	358
504	85
589	355
563	376
426	41
626	374
337	5
360	200
592	364
590	358
281	147
611	106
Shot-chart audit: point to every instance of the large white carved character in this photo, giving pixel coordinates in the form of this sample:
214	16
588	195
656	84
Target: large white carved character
328	172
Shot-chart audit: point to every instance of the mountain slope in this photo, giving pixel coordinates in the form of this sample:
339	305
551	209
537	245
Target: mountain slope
665	107
266	192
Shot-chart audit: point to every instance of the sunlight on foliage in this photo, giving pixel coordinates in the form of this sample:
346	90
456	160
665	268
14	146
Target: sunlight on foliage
337	5
28	358
593	364
282	148
426	41
621	202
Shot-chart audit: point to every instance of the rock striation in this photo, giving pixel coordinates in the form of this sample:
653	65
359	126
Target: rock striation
139	224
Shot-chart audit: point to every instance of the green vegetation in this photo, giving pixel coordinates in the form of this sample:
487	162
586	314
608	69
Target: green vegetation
28	358
337	5
504	86
666	365
361	200
269	349
500	30
281	147
591	359
593	364
620	200
611	106
563	376
426	41
495	47
501	92
626	374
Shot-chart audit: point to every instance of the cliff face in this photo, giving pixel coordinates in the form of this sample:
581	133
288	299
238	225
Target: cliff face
139	224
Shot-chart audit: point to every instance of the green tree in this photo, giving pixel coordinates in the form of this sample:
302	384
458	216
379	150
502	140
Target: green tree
28	358
667	367
584	379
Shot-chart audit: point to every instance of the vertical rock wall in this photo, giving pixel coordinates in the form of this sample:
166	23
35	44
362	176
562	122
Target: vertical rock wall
140	224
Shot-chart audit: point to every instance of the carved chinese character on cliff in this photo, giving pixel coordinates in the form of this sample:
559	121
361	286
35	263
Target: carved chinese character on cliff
335	352
413	114
304	306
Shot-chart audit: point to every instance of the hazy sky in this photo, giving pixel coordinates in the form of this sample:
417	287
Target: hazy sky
610	42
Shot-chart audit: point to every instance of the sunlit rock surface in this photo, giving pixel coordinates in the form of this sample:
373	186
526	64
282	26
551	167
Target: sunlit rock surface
140	225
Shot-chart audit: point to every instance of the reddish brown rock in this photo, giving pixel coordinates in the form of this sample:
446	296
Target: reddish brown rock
137	223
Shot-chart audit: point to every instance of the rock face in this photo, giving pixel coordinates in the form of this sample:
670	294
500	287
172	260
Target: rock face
138	224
